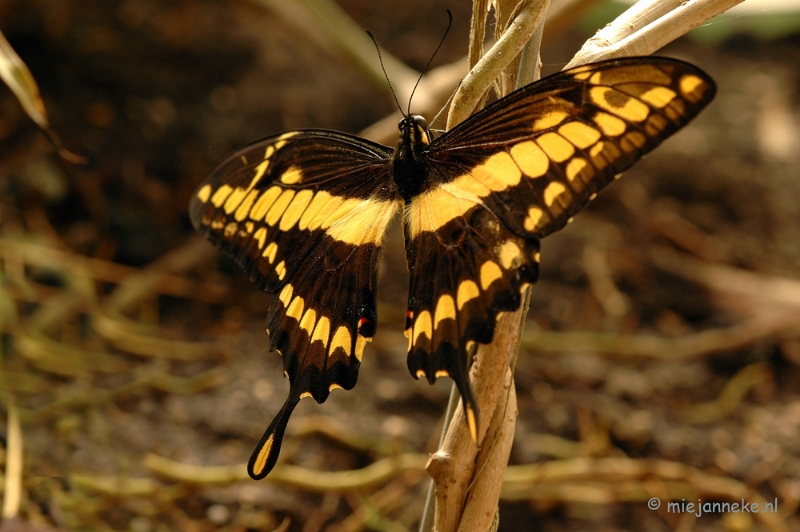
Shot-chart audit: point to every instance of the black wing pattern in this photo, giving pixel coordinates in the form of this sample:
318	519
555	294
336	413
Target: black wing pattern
304	214
514	173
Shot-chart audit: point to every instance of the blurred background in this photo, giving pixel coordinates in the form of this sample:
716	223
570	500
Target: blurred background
663	337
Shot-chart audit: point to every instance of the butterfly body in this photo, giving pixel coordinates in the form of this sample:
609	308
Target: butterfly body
409	167
305	212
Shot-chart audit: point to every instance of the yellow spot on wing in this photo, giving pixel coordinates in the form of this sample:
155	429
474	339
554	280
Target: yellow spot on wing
320	208
221	195
445	309
295	310
553	191
472	424
433	209
261	236
442	373
420	373
609	124
322	331
423	325
305	394
244	207
688	84
270	252
286	295
619	103
295	209
204	193
658	96
555	146
549	120
280	269
334	386
579	134
534	217
498	172
292	176
631	141
264	203
263	455
509	252
467	291
282	139
530	158
231	229
471	185
655	124
360	221
278	207
343	339
361	343
490	272
234	199
260	169
574	167
308	321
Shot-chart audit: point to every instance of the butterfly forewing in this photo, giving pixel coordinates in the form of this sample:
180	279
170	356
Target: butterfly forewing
514	173
304	214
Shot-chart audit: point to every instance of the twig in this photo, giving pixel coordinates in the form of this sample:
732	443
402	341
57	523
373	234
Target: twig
695	345
729	280
731	396
648	26
12	488
482	76
384	501
289	475
36	254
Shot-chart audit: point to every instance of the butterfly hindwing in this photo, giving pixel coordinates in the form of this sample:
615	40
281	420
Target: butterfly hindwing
514	173
304	214
462	276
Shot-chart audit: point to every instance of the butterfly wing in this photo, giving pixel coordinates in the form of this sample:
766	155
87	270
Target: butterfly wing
304	214
514	173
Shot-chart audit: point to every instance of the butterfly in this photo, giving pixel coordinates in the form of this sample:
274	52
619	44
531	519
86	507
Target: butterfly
305	213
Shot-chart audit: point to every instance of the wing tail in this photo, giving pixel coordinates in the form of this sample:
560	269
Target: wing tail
265	455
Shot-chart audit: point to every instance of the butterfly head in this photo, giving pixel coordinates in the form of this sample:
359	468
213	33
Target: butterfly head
415	132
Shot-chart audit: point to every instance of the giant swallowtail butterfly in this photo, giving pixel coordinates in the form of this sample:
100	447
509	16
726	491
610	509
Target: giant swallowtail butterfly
305	212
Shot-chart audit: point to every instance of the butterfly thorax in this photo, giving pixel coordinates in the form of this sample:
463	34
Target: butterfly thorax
408	161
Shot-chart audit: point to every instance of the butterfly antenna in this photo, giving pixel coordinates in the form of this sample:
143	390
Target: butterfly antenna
380	58
425	70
